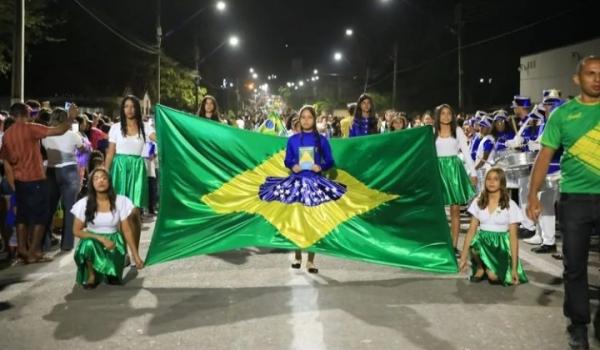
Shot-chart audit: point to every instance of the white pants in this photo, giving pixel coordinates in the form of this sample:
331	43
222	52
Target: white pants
527	223
481	172
546	227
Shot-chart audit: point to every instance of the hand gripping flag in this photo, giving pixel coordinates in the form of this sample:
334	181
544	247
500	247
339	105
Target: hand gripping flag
389	210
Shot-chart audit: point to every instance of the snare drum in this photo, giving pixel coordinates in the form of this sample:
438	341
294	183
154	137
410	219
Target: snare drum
515	159
514	174
552	181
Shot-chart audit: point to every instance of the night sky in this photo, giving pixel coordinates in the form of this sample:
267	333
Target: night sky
93	62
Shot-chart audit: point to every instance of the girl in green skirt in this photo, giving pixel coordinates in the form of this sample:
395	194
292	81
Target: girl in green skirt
100	254
457	187
492	239
124	159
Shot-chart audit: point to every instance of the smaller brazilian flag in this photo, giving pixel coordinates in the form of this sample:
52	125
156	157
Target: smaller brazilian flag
273	125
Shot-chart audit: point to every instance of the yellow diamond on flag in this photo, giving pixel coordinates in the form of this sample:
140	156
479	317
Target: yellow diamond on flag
301	224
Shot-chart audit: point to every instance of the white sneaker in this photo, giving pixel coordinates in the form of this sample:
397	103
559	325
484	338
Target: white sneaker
535	240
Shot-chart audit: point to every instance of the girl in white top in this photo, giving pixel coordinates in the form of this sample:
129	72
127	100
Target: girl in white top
100	255
124	159
492	240
457	188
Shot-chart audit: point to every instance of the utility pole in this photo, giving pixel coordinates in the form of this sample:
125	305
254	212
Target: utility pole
158	46
197	77
18	64
394	86
366	79
459	25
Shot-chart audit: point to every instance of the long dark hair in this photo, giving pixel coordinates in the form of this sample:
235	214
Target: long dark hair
372	120
91	207
438	124
316	134
202	110
138	116
484	198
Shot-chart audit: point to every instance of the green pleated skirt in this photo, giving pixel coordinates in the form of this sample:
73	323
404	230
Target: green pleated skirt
493	249
456	185
129	179
106	263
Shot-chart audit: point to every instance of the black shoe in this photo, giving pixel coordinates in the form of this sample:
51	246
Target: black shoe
544	249
525	233
578	337
114	281
457	253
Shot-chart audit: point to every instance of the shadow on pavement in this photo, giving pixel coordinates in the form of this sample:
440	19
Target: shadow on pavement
98	314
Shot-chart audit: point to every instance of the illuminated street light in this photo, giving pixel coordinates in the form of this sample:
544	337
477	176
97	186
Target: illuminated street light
234	41
221	6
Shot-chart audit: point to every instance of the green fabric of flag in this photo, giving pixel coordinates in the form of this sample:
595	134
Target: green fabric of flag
391	213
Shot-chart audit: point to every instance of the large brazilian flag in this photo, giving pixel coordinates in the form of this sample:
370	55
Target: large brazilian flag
391	213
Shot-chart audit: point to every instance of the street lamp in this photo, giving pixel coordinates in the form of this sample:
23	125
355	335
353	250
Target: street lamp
315	72
234	41
349	32
254	76
251	70
338	56
220	5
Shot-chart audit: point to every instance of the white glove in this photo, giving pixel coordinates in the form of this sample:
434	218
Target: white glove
534	146
517	142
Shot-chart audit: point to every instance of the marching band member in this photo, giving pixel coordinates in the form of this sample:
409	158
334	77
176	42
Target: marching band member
521	106
502	131
529	131
546	229
484	158
476	135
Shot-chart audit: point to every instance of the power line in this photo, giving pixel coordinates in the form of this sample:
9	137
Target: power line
473	44
140	46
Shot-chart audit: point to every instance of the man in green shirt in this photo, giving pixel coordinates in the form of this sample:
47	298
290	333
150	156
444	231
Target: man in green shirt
576	127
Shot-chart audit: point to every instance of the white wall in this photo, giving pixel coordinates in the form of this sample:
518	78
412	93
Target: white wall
554	69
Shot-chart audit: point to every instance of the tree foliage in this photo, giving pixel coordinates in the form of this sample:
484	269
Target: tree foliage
38	27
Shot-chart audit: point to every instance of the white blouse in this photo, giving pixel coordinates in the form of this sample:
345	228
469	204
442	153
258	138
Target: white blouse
450	146
129	145
104	222
499	220
61	149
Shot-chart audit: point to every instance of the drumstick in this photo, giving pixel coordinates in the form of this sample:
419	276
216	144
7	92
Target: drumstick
514	124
